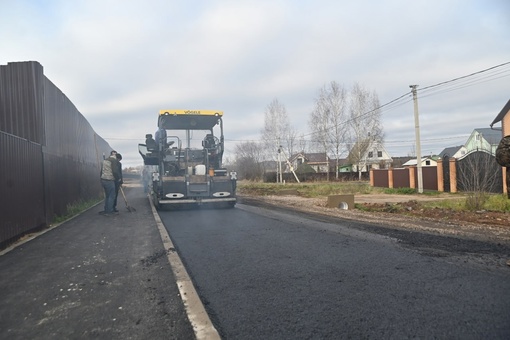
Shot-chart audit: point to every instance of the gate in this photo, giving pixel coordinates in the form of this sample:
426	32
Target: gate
478	171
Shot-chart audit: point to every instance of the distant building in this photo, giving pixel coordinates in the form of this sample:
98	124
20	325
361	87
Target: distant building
453	152
427	161
375	157
319	162
484	139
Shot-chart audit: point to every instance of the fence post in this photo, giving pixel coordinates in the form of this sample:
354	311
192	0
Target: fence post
390	178
440	179
371	177
412	183
453	174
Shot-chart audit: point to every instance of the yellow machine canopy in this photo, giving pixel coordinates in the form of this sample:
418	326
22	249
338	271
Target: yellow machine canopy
189	119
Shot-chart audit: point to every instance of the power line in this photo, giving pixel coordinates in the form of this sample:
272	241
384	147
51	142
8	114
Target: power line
427	88
463	77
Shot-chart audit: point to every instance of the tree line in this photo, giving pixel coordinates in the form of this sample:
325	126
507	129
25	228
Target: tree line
344	123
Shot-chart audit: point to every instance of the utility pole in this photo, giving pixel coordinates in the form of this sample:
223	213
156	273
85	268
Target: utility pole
278	171
279	176
418	143
289	164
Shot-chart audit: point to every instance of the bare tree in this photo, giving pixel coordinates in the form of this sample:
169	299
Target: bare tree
365	124
328	120
302	143
319	122
337	102
277	129
249	160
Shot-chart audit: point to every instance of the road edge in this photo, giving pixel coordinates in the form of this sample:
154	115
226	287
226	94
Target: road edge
197	315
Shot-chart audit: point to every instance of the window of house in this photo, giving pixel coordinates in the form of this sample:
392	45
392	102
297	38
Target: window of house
379	154
427	162
370	154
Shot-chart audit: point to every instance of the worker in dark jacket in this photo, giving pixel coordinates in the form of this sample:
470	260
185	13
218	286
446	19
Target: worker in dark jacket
118	183
110	174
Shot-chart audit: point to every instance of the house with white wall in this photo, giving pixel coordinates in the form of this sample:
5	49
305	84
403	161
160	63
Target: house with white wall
483	139
426	161
375	157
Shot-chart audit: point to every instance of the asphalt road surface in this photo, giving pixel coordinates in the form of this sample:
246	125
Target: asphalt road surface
93	277
266	274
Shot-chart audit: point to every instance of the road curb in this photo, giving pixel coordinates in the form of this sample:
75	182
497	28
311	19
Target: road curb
198	317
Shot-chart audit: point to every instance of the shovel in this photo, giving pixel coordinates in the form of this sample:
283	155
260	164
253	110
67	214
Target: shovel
130	209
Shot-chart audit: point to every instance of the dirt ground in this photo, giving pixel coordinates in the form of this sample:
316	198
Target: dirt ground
405	212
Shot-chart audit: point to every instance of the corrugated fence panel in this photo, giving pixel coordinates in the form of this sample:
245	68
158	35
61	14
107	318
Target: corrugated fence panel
21	187
381	178
49	154
429	177
71	157
401	178
21	100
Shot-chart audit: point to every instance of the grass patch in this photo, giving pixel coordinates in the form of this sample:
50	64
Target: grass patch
491	202
399	191
76	208
310	190
408	191
450	204
498	203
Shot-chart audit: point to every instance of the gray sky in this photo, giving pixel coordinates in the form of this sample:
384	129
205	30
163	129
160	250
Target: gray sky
120	62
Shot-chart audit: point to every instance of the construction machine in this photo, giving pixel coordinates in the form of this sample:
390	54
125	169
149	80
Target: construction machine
185	156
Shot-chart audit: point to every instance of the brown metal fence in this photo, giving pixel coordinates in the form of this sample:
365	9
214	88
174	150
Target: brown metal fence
476	172
429	177
21	185
49	154
380	178
401	178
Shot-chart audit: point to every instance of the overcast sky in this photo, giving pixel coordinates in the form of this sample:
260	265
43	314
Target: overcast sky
120	62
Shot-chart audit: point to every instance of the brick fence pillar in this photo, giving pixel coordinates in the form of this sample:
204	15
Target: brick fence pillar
412	183
453	175
440	179
390	178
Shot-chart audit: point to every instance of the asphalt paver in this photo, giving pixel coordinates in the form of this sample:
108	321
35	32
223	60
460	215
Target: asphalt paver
93	277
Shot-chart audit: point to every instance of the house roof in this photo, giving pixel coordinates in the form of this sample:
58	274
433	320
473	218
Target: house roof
502	114
450	151
399	161
490	135
319	157
415	161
